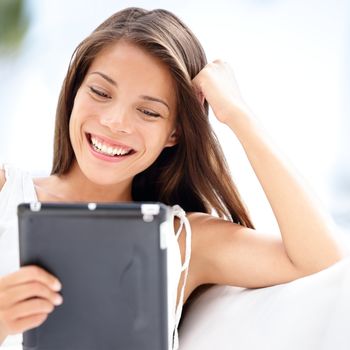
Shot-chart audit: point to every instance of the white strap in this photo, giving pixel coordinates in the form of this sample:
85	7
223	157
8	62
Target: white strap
29	191
181	214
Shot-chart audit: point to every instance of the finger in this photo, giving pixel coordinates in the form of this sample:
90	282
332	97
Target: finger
198	91
25	291
201	97
31	307
30	273
23	324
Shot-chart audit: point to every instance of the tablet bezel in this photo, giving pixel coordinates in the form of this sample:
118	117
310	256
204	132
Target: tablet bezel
31	214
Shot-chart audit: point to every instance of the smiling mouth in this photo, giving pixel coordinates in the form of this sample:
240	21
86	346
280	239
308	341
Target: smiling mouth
102	147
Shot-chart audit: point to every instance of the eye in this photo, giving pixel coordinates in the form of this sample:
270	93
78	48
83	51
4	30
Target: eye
99	93
149	113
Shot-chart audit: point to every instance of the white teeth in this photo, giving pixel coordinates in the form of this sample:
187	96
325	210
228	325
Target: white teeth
120	151
106	149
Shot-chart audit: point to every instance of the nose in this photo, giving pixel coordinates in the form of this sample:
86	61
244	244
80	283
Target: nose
117	120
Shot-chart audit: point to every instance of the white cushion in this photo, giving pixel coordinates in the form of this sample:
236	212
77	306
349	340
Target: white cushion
312	312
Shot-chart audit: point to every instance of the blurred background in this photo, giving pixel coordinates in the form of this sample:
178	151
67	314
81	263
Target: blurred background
290	58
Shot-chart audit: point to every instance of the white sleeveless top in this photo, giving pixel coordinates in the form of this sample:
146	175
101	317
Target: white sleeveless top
19	188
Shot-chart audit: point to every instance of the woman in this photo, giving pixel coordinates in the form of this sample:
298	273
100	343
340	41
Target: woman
132	124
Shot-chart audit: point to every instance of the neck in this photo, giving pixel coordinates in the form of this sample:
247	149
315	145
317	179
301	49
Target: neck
76	187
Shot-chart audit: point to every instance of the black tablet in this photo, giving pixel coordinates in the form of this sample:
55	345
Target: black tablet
112	262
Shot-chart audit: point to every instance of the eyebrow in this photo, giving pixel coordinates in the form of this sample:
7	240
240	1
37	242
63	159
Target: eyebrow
154	99
106	77
144	97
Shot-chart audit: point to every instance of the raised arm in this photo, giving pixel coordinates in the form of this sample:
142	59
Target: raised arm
308	237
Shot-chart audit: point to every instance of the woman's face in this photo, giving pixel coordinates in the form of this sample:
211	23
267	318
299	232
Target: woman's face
123	114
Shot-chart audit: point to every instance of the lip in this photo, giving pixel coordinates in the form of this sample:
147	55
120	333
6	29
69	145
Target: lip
114	159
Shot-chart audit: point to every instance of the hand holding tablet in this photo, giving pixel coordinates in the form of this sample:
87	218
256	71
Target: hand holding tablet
27	297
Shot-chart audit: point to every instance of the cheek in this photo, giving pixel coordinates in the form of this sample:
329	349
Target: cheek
154	136
80	111
155	142
73	136
75	124
72	125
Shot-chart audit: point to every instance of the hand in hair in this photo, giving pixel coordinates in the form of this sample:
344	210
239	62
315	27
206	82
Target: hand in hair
216	82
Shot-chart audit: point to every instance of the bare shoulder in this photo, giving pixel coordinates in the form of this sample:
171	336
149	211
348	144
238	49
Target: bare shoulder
2	178
227	253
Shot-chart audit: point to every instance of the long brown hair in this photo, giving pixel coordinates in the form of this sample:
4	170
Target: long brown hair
194	172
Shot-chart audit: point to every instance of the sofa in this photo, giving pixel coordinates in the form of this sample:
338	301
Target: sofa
311	313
